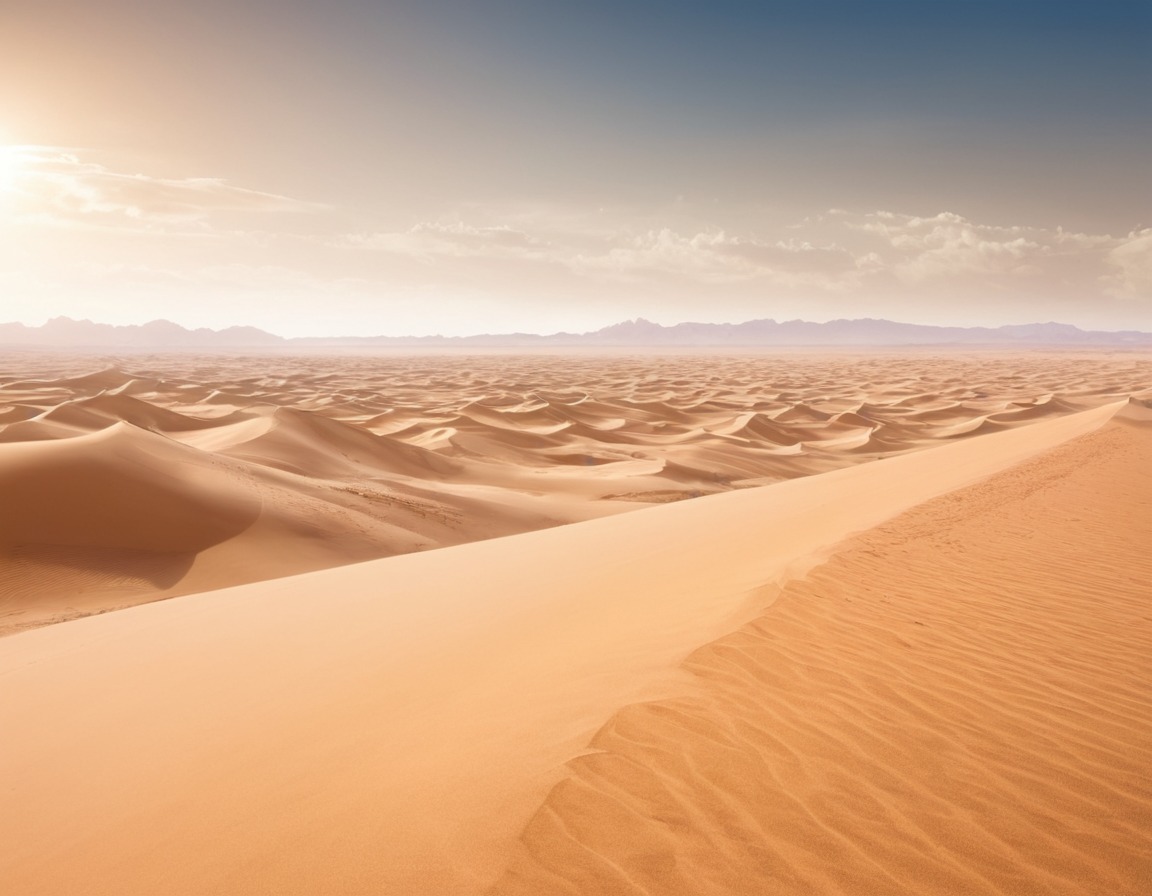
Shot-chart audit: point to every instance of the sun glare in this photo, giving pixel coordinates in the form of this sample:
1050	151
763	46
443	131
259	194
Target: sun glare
11	163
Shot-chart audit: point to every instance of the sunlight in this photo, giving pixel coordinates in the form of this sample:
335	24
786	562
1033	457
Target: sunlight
12	159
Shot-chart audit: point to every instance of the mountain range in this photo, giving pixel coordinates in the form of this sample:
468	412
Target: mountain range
63	332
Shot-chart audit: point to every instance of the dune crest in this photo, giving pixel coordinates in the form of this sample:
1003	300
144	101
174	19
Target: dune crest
956	702
340	460
390	726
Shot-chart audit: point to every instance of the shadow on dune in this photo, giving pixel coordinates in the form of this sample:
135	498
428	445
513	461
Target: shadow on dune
121	508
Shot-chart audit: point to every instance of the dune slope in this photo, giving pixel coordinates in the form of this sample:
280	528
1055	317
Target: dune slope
957	702
390	726
353	458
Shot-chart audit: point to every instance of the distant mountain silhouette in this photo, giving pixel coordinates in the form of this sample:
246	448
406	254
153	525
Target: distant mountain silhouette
67	333
63	332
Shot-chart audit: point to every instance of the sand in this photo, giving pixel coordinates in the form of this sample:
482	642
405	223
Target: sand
920	674
131	479
956	702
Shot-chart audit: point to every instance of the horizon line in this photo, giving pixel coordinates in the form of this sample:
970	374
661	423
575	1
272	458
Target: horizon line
639	320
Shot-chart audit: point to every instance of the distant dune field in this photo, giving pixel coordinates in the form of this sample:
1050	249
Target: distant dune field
878	624
127	480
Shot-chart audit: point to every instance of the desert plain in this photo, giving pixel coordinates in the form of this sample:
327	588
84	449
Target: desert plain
583	623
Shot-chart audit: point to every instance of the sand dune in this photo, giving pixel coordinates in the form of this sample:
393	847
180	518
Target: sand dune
391	726
956	702
347	459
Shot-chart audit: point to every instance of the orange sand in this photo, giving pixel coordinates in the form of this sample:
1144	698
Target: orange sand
957	702
936	682
166	475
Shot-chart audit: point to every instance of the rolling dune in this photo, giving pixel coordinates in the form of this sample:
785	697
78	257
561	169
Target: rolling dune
952	702
341	459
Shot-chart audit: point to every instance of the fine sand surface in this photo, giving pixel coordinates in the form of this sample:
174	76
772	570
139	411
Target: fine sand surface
957	702
954	702
126	480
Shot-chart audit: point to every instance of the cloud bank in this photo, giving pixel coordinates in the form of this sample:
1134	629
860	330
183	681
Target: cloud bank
89	239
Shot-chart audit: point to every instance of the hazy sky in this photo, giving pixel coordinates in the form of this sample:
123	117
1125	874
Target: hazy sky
360	167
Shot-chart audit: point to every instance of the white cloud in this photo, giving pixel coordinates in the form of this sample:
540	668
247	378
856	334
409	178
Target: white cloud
950	252
1130	263
431	240
880	260
48	181
948	245
717	257
204	242
623	255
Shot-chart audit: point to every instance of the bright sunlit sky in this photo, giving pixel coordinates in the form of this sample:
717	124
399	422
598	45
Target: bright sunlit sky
424	166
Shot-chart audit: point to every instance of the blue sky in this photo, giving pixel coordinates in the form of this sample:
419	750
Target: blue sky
454	167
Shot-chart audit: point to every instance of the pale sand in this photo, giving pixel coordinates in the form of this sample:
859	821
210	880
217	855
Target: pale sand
162	476
390	726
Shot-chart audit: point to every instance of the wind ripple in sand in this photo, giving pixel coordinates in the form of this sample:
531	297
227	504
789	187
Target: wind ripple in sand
355	458
957	702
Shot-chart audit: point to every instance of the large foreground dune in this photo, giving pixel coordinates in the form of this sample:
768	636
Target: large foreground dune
956	702
713	696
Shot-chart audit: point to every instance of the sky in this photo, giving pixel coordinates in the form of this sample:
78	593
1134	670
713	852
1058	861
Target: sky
351	167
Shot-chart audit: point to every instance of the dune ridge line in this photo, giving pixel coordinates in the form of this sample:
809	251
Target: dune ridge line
160	476
391	724
955	702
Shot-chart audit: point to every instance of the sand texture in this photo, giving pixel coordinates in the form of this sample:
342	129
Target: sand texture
956	702
127	480
922	674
